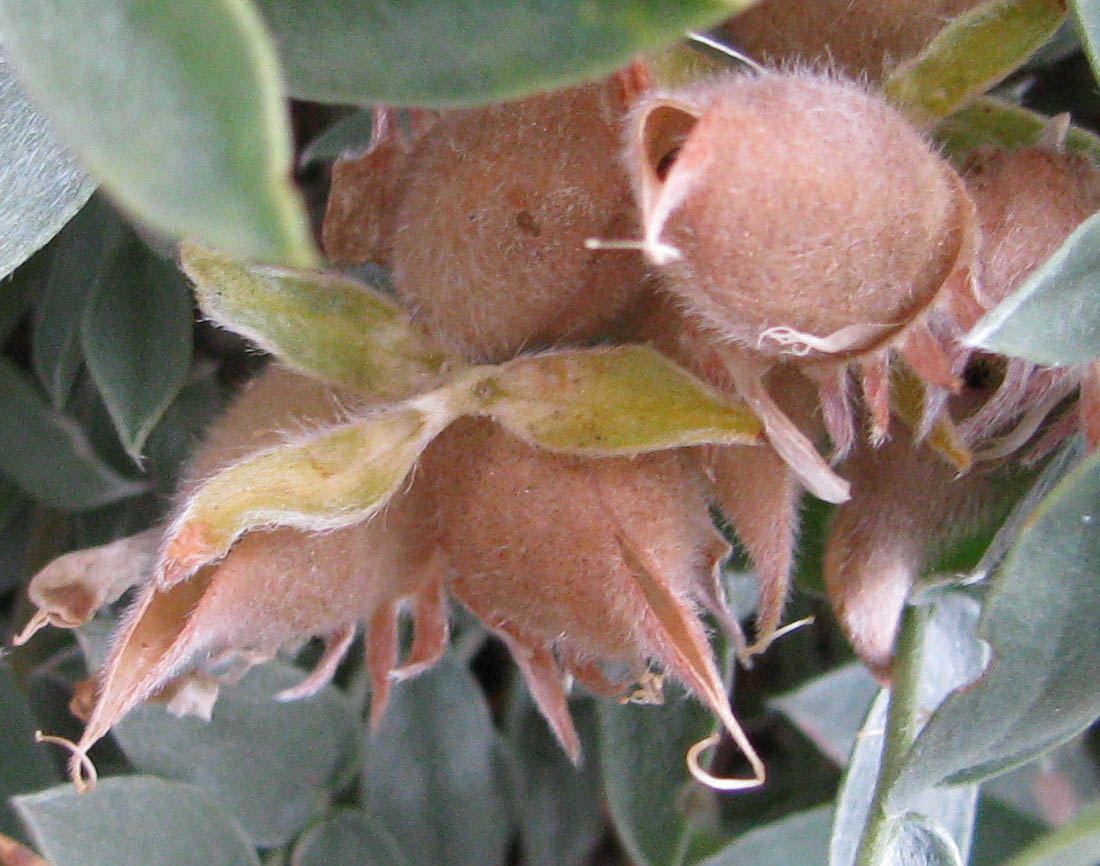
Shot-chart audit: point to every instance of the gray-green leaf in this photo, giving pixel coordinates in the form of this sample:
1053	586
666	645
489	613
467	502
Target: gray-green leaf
1054	316
47	455
429	776
25	765
176	107
41	186
136	336
796	840
134	821
421	52
1043	624
348	838
1074	844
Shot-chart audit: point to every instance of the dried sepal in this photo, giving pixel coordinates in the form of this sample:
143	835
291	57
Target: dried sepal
579	561
322	324
609	402
70	590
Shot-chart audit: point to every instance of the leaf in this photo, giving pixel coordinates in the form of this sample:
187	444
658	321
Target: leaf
830	709
349	134
348	838
136	336
996	123
20	291
924	843
972	53
25	766
322	324
428	772
558	806
1001	832
1054	316
947	656
47	455
646	781
177	108
419	52
1074	844
134	821
268	764
796	840
1086	14
41	186
1043	625
606	402
327	480
77	264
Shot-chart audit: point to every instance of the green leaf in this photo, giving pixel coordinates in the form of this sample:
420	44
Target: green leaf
47	455
428	772
796	840
1074	844
136	336
646	779
41	186
1054	316
558	807
1001	832
351	133
177	108
946	656
1043	624
25	765
267	764
421	52
326	480
1004	125
134	821
322	324
348	838
1087	15
77	264
604	402
970	55
20	291
830	709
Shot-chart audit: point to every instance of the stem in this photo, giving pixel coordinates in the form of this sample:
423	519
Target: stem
902	726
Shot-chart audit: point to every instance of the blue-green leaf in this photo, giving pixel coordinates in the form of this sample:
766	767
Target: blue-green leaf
1074	844
25	766
348	838
796	840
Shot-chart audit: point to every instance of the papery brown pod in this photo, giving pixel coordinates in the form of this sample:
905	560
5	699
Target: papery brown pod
283	584
495	207
800	218
857	37
577	563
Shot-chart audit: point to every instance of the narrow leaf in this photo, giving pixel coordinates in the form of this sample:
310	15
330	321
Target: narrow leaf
136	336
1043	625
996	123
47	455
348	838
425	53
646	780
41	186
606	402
325	325
796	839
330	479
25	766
428	774
134	821
177	108
79	258
1054	316
1074	844
970	55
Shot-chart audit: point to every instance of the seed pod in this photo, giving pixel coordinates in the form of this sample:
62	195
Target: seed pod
601	561
857	37
489	245
800	217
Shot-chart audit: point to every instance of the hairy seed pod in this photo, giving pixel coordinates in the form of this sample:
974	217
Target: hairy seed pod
489	246
856	37
596	560
795	213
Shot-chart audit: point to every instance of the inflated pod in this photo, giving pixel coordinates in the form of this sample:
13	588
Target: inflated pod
497	203
857	37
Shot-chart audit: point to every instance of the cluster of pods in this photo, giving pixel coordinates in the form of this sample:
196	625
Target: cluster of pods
786	236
